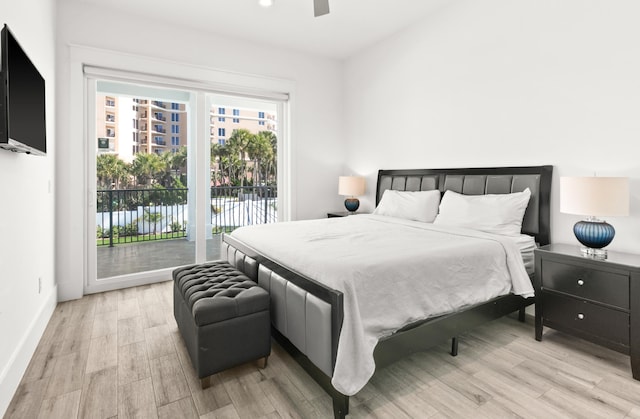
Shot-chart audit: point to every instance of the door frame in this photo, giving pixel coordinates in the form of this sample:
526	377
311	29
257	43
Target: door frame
89	64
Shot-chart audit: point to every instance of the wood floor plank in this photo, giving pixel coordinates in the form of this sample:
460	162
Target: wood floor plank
127	293
63	406
83	308
133	363
634	413
169	383
183	408
130	330
153	307
447	401
226	412
159	342
521	401
68	373
136	400
154	315
623	387
413	405
281	361
105	324
78	337
41	365
103	353
576	405
557	362
247	397
128	308
57	327
285	398
494	409
605	398
549	377
380	407
587	352
27	400
106	301
206	400
100	394
436	365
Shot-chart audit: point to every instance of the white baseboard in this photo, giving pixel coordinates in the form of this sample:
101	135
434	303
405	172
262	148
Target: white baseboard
14	370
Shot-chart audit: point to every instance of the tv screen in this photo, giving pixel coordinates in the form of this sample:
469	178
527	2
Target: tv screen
22	117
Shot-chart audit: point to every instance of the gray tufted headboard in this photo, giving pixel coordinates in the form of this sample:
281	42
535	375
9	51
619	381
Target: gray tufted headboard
480	181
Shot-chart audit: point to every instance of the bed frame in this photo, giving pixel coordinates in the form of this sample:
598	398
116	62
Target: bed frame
307	316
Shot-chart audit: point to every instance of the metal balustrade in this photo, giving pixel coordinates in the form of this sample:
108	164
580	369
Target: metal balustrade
137	215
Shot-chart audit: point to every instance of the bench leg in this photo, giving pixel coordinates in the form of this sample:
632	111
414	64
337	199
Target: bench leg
454	346
264	362
205	382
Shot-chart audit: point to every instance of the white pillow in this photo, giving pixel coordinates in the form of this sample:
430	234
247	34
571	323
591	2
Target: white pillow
418	206
497	214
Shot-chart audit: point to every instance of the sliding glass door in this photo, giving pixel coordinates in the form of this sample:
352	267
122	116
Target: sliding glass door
169	172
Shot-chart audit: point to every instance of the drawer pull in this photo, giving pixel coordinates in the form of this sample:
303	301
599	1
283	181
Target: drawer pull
580	316
580	282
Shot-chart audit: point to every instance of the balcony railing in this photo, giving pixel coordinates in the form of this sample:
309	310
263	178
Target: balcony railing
159	117
137	215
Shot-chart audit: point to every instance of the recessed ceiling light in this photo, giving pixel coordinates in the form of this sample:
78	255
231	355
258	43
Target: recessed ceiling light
265	3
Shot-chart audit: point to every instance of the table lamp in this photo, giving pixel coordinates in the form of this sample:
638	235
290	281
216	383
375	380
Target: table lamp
351	186
594	197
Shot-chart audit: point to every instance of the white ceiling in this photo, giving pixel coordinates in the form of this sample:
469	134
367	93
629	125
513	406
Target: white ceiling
351	25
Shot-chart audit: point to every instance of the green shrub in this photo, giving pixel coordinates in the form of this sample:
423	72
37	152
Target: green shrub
176	227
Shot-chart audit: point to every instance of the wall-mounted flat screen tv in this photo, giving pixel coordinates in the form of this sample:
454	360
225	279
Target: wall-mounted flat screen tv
22	100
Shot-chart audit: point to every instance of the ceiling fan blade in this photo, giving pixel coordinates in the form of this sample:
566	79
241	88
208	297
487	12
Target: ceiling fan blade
320	7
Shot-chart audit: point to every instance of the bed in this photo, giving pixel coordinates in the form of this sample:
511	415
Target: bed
309	312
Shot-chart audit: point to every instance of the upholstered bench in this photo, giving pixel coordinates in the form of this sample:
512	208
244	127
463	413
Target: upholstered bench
222	315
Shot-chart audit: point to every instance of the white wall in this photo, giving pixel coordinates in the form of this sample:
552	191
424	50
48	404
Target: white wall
317	126
27	211
501	82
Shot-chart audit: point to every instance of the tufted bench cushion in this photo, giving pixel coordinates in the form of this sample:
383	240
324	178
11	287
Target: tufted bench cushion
216	291
222	316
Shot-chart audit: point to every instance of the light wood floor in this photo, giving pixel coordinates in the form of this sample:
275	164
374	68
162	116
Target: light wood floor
119	354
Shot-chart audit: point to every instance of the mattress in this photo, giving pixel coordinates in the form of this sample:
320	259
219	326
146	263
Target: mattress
526	244
392	272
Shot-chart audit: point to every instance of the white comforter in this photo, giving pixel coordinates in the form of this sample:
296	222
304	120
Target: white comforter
392	272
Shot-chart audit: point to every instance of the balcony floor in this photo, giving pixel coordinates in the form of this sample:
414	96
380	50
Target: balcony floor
147	256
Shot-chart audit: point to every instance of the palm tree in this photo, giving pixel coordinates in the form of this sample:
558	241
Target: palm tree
111	171
217	152
179	163
270	162
165	176
259	151
145	168
239	143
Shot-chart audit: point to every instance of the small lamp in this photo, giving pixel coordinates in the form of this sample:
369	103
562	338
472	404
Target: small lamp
594	197
351	186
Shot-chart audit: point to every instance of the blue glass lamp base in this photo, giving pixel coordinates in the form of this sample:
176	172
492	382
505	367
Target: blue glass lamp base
352	204
594	235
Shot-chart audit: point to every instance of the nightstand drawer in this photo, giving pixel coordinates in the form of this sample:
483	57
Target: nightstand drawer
569	313
592	284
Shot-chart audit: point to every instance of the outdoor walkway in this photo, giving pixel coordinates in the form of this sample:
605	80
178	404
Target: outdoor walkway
147	256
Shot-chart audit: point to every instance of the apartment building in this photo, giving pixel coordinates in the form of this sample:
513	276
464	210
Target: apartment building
127	126
224	120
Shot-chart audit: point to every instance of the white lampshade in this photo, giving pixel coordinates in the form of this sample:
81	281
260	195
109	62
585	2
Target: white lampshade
594	196
351	185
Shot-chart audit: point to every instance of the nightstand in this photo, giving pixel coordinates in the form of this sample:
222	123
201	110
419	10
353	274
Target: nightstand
595	299
336	214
